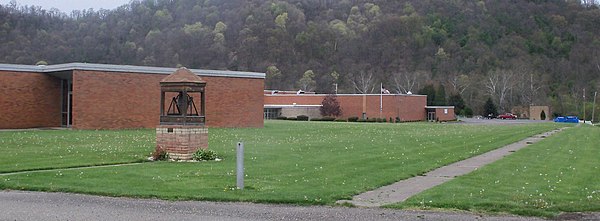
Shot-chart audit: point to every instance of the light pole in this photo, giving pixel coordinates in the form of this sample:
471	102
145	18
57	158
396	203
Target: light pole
594	106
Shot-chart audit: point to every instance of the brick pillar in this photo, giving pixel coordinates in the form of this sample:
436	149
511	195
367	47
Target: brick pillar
180	141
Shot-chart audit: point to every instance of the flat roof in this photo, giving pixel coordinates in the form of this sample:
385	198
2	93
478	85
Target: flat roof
300	95
124	68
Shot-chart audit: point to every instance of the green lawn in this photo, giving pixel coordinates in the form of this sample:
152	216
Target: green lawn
286	162
557	174
45	149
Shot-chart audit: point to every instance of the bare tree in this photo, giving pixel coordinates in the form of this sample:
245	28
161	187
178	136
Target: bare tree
459	83
363	83
406	81
499	84
528	87
589	3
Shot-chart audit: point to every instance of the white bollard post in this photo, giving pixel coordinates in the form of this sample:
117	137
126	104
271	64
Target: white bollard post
240	165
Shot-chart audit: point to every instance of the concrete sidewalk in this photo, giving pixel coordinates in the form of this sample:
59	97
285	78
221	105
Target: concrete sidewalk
402	190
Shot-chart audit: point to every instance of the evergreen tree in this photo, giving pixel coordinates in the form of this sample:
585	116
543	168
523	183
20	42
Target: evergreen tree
489	108
440	96
428	90
457	101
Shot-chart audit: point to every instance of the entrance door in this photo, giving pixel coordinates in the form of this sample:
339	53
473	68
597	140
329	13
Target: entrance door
67	103
431	116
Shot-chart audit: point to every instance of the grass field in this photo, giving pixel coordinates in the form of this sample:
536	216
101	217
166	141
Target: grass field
557	174
46	149
286	162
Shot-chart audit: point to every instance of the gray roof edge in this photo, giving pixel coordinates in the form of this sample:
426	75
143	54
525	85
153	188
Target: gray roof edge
125	68
20	68
306	95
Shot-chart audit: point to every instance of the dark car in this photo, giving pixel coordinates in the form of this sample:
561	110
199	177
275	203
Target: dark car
508	116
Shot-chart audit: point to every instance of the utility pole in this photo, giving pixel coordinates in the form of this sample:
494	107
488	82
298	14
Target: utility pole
594	106
584	105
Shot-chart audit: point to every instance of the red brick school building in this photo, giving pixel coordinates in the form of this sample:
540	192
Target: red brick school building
100	96
405	107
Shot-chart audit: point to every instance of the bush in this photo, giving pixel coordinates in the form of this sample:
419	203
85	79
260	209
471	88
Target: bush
323	119
352	119
398	120
204	155
361	120
371	120
467	112
281	118
340	120
160	154
328	119
291	118
302	118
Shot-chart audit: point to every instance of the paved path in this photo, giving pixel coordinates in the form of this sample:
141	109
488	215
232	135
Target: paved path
67	168
402	190
18	205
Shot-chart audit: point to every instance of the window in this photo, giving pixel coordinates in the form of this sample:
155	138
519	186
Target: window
271	113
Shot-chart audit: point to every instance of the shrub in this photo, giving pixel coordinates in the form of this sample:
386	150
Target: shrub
160	154
316	119
302	118
340	120
352	119
204	155
330	106
281	118
398	120
371	120
467	112
291	118
328	119
361	120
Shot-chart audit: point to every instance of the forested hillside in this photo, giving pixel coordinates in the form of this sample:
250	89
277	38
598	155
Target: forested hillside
517	52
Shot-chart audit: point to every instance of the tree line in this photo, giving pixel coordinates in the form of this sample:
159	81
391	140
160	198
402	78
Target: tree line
518	53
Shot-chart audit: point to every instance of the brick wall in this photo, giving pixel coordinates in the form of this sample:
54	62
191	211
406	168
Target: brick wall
29	100
406	107
442	116
311	112
234	102
108	100
181	142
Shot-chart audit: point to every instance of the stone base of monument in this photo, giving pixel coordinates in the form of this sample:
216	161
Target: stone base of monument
181	141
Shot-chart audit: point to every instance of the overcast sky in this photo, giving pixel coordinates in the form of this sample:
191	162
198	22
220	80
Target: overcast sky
69	5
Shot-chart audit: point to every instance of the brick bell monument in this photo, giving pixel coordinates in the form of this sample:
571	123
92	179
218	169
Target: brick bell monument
182	128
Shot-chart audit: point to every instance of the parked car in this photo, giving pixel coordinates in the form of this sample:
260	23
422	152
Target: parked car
567	119
508	116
